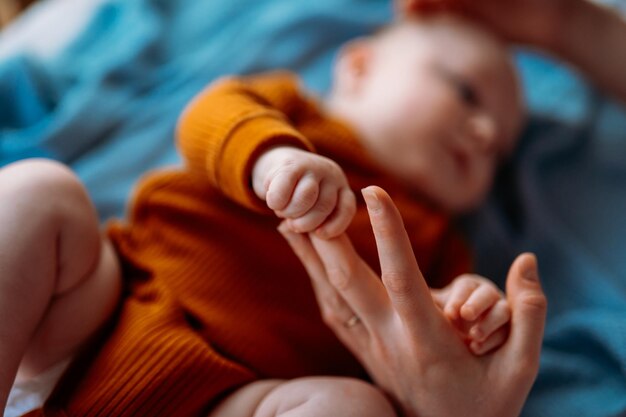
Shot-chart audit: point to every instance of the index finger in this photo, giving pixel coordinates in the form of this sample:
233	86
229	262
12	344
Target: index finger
401	275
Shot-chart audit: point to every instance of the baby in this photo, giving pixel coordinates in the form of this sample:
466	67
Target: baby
197	305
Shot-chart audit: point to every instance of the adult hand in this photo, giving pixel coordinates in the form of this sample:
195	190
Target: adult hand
403	339
569	29
526	21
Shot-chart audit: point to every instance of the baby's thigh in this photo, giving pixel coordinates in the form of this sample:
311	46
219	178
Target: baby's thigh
307	397
55	251
74	316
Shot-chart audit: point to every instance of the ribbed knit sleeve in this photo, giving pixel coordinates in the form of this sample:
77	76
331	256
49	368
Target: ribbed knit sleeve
227	126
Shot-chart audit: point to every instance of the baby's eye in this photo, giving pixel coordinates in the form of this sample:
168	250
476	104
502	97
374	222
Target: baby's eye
466	92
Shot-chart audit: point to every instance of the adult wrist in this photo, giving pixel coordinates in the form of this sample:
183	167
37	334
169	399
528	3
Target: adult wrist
559	24
576	20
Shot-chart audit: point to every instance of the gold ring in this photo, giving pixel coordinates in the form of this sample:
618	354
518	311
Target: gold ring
352	321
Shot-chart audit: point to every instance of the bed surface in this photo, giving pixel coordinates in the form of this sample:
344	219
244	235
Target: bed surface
104	93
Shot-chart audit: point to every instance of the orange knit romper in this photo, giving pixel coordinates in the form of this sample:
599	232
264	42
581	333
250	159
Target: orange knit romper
214	297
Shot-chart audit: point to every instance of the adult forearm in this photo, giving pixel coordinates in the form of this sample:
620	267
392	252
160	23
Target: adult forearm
593	38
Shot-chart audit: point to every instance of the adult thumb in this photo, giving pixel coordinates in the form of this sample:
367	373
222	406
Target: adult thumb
528	309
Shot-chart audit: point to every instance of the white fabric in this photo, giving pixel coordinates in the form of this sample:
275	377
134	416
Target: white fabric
46	27
31	394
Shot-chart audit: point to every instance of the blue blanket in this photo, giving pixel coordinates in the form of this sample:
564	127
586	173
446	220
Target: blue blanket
108	104
563	198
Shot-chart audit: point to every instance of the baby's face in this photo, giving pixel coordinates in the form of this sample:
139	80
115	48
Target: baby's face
437	105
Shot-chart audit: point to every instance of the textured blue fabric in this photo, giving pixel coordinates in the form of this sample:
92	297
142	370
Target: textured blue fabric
108	107
563	198
108	104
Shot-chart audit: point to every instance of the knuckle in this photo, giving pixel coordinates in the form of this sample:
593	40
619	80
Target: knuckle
333	166
306	197
476	280
289	167
275	198
464	278
396	282
334	302
382	228
535	302
492	291
325	206
330	317
339	277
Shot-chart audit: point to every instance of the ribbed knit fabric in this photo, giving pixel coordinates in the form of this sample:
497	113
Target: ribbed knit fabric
215	298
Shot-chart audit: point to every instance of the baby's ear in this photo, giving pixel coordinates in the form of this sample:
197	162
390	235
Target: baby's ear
352	65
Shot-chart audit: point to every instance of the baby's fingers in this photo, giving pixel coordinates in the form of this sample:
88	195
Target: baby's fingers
303	198
460	291
492	342
494	319
340	219
280	190
482	299
320	211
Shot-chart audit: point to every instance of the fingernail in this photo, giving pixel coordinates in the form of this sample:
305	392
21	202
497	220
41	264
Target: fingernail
371	199
476	334
530	269
530	274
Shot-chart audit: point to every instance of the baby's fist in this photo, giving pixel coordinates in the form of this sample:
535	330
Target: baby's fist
478	309
309	190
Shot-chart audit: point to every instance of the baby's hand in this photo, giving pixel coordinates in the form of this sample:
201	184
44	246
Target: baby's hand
478	309
309	190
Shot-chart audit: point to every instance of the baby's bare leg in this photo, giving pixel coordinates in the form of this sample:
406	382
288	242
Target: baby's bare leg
306	397
59	280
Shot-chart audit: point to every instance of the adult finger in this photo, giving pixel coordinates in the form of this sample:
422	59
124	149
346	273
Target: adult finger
352	278
528	310
401	275
334	309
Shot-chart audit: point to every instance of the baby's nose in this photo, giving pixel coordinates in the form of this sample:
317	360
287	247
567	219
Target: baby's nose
481	127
